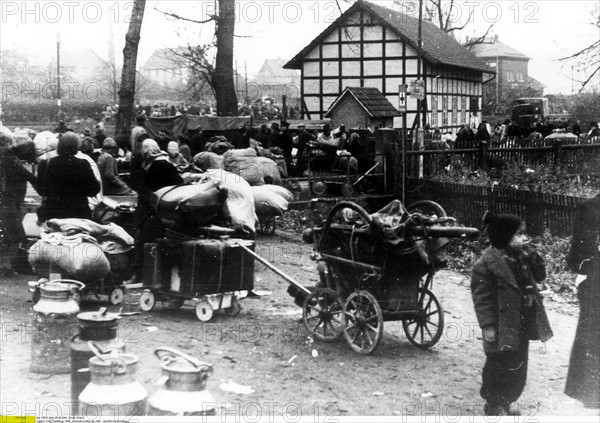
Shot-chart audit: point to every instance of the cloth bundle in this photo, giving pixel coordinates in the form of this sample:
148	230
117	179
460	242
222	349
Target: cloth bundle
271	200
255	170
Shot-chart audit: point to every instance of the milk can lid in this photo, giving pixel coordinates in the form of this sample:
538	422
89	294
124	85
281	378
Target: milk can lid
98	316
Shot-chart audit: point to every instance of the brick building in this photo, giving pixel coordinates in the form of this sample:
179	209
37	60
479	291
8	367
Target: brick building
512	72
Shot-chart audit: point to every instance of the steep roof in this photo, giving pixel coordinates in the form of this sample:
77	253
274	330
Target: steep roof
497	49
274	68
166	58
437	46
371	99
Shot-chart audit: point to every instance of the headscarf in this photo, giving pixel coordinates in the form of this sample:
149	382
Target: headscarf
150	152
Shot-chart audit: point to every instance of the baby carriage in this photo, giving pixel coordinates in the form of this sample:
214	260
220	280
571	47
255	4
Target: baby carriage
377	268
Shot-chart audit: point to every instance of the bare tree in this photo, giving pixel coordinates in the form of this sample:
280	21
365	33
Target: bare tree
127	90
219	77
588	58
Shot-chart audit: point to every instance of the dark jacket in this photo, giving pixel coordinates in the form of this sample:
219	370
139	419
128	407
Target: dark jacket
498	300
583	378
112	184
65	182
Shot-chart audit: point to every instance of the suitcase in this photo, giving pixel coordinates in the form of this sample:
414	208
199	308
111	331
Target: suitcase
203	267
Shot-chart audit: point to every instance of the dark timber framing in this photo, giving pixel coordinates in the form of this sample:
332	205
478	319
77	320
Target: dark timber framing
362	50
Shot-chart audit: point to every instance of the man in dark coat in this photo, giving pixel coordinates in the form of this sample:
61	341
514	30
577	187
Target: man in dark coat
13	186
509	309
583	378
286	143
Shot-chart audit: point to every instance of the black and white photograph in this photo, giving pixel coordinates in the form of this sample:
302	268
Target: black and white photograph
299	210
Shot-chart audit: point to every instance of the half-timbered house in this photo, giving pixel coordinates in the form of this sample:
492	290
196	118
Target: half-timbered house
373	46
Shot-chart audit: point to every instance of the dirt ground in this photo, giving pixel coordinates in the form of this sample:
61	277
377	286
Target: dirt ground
267	348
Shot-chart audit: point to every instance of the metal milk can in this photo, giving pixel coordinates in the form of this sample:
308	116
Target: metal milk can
54	324
183	390
101	328
113	390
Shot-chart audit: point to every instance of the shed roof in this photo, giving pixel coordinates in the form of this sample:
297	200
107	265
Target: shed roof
437	46
371	99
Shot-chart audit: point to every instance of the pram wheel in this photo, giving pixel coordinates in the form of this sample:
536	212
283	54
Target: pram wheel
116	296
204	311
147	300
364	322
323	314
425	329
172	304
235	308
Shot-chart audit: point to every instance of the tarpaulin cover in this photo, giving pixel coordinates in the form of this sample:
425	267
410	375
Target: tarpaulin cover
179	124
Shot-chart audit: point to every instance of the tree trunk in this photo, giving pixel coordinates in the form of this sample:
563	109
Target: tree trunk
130	51
223	83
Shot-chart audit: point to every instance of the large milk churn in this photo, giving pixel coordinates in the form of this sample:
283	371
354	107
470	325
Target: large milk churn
113	390
54	324
183	390
101	328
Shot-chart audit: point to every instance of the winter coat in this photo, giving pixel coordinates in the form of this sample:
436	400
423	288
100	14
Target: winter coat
498	301
583	378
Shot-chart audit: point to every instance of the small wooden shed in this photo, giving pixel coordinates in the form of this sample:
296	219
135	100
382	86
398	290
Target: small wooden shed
362	107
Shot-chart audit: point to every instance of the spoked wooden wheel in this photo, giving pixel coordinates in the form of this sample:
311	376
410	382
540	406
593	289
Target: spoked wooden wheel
425	329
323	314
427	208
268	226
364	322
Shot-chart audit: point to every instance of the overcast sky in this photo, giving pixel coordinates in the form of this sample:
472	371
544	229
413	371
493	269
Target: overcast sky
544	30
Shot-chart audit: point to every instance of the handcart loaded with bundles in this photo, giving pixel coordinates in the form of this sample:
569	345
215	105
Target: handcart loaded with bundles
201	257
375	268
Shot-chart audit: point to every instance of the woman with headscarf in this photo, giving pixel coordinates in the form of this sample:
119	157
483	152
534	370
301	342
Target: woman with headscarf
13	186
65	182
154	171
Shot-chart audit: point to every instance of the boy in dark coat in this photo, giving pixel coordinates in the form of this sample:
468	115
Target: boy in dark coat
509	309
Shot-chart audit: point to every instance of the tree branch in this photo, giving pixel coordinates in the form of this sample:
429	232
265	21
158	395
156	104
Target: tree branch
212	18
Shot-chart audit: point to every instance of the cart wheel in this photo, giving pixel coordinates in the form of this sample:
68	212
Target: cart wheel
36	295
364	322
425	329
204	311
427	208
147	300
323	314
268	226
116	296
235	308
173	303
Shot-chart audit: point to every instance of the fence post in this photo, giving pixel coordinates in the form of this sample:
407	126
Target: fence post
483	155
558	153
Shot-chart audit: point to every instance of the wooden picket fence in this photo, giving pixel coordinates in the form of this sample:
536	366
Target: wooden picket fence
573	156
468	203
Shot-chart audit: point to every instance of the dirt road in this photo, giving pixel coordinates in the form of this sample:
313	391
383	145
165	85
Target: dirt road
268	349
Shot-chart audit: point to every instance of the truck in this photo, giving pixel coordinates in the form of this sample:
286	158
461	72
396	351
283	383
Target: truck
525	112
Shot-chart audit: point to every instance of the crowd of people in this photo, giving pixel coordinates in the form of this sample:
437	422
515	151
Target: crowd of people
504	282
